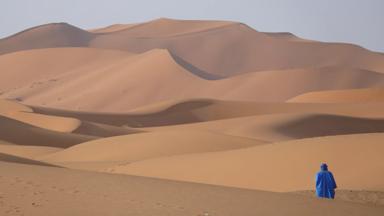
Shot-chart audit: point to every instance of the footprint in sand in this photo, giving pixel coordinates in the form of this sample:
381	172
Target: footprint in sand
35	204
57	189
180	207
38	193
13	210
162	205
131	200
74	191
29	183
18	180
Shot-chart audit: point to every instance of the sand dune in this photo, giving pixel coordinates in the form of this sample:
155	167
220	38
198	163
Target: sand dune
54	123
25	114
57	86
40	190
256	87
288	166
164	27
7	106
371	95
149	69
103	130
245	45
249	50
170	112
281	127
30	69
143	146
325	125
45	36
208	112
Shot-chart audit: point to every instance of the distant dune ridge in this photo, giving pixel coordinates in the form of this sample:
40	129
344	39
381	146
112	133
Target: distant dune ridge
185	102
57	84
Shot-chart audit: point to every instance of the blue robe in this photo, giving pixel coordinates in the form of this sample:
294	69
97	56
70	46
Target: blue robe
325	184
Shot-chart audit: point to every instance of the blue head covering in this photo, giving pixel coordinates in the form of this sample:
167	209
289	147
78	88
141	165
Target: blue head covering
324	167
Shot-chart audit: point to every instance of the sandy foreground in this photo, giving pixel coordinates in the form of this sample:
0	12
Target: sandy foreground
37	190
187	118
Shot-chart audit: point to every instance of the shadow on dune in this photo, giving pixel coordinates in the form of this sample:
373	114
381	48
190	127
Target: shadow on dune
176	114
24	134
193	69
328	125
15	159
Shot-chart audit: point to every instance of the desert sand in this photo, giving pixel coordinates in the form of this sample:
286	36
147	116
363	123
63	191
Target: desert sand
187	117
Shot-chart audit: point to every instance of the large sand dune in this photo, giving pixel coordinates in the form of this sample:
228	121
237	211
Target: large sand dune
143	146
21	113
279	127
247	49
45	36
178	112
70	69
288	166
32	68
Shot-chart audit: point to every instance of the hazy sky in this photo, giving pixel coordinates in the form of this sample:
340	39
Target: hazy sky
353	21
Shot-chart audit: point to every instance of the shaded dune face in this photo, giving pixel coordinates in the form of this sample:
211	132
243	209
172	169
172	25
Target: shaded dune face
20	160
341	96
31	135
179	113
328	125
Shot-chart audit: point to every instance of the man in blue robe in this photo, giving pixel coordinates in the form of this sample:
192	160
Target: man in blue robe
325	183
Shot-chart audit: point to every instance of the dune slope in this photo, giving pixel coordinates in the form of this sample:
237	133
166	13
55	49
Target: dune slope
45	36
143	146
247	49
287	166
